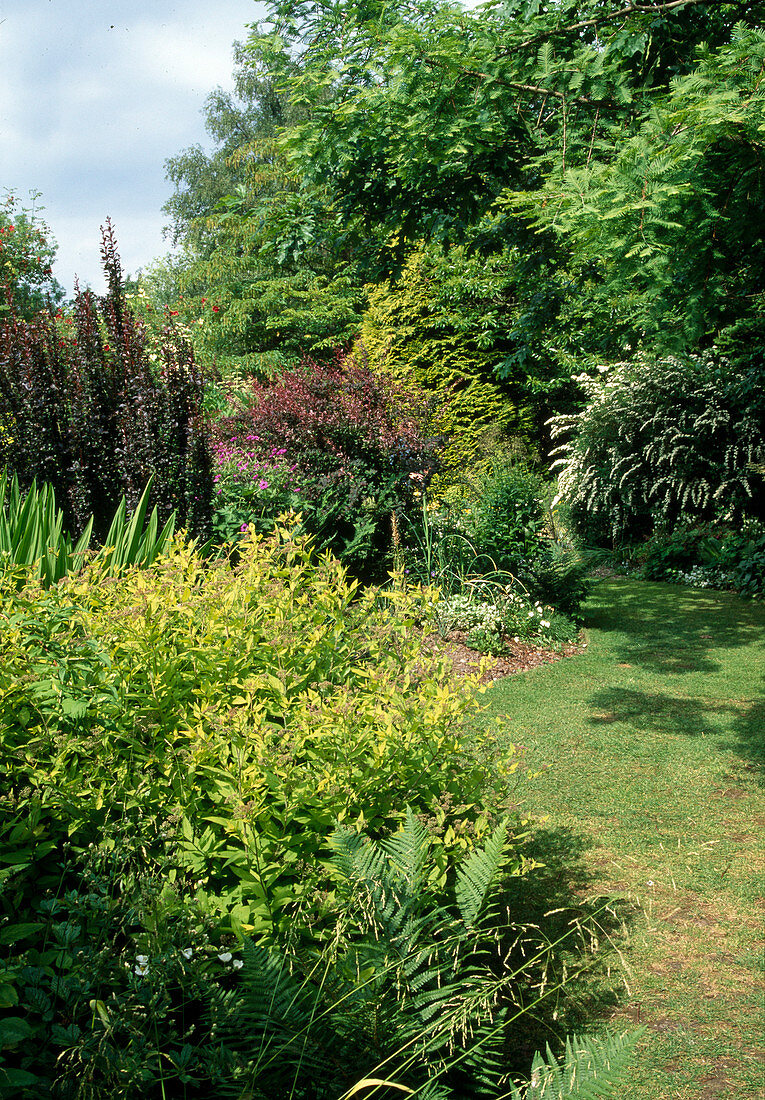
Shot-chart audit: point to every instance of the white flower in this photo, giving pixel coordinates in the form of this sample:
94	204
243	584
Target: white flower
187	952
225	956
142	960
543	622
237	964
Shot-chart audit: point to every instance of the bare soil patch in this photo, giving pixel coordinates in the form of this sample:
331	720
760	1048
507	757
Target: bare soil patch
520	656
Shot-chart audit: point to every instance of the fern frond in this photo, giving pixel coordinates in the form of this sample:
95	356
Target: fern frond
478	873
590	1069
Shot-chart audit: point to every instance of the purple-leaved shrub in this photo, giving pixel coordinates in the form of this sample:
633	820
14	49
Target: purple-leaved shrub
339	443
88	408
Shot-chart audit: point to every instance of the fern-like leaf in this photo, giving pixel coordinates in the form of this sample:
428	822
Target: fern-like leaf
478	874
590	1069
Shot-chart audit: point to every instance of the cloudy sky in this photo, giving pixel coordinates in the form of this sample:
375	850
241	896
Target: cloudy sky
94	96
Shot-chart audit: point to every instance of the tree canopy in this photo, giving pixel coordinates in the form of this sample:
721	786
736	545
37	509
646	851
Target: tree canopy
605	157
27	251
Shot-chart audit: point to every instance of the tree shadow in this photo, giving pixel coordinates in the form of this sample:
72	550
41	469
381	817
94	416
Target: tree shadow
750	731
669	628
687	717
564	950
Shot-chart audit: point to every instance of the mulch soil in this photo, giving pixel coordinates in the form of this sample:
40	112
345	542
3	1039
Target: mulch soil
520	656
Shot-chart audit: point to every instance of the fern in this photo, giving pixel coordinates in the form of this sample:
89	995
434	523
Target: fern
478	874
590	1069
411	996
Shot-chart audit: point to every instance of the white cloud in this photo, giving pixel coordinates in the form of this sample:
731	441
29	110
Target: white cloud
95	95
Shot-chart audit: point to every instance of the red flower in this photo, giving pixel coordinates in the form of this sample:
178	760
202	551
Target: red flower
216	309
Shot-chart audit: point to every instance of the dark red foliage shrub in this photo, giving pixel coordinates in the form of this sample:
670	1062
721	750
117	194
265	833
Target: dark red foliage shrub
84	407
358	445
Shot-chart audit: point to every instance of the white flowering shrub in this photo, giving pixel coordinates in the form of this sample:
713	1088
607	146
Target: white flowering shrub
660	443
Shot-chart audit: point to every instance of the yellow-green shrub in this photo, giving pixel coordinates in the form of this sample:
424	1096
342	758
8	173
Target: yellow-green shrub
418	330
227	718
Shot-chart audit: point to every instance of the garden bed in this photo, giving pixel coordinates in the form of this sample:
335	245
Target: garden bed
520	657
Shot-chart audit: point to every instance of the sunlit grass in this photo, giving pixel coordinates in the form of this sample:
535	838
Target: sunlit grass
647	749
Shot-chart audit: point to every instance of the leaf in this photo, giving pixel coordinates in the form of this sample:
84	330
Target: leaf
15	932
478	873
376	1082
14	1030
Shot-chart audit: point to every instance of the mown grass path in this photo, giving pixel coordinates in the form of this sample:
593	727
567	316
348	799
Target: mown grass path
652	743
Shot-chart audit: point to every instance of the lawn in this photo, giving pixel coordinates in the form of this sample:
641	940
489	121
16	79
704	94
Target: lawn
647	749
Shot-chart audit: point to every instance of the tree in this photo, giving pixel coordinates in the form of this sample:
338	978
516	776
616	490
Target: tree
265	273
27	251
234	122
431	122
674	221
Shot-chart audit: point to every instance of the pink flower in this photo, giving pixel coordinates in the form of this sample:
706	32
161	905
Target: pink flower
243	527
262	484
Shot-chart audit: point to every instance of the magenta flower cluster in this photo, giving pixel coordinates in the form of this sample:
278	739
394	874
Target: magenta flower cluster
240	460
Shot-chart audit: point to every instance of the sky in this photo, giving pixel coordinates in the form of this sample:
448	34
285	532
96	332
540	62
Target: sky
95	95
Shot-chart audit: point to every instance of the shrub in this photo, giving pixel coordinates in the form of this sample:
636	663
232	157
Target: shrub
417	330
230	718
27	251
501	531
124	986
86	408
709	555
664	443
505	518
744	554
341	445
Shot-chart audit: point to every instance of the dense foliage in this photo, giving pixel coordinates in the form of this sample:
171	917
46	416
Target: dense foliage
601	139
339	443
88	408
437	326
665	442
250	841
521	189
177	744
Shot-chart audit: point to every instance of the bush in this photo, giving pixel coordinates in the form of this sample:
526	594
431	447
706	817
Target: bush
664	443
87	408
415	331
125	987
230	718
501	531
344	447
707	556
177	744
505	517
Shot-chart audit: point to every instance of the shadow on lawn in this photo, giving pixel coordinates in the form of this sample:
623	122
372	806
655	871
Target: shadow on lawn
668	628
685	717
574	982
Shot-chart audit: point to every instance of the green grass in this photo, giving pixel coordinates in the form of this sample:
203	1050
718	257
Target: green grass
647	750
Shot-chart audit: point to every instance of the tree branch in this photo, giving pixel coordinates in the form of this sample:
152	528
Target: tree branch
629	9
